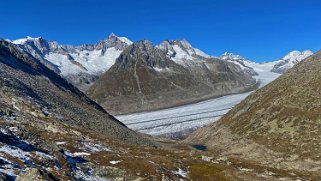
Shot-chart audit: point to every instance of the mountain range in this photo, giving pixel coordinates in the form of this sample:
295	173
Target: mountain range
80	65
106	71
89	61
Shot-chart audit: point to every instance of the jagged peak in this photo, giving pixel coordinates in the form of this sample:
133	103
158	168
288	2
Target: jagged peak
296	53
27	39
143	44
122	39
112	35
185	43
228	55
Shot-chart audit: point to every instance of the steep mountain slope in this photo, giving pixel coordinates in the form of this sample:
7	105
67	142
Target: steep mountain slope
25	80
279	125
288	61
144	77
80	65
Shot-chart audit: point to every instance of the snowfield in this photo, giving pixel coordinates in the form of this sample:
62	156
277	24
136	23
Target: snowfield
182	119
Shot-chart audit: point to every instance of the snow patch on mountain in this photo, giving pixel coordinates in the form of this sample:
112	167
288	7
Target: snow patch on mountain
244	63
80	65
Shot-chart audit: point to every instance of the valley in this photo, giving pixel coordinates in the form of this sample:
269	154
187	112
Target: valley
179	122
51	130
168	90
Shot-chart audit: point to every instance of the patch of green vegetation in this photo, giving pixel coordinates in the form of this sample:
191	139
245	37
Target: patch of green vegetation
207	172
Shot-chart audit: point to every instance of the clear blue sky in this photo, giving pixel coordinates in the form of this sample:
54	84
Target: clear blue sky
259	30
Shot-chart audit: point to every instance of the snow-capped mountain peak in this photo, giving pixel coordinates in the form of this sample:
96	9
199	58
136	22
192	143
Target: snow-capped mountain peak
231	56
182	52
113	36
27	39
244	63
87	60
123	39
119	43
297	55
185	44
289	60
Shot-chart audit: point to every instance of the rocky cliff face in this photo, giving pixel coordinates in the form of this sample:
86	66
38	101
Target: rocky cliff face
148	78
278	124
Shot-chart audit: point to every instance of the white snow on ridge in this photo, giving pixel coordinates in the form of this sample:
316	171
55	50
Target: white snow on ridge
24	40
91	59
201	53
125	40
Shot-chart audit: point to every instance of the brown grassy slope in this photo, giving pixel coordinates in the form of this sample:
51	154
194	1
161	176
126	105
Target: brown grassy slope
279	124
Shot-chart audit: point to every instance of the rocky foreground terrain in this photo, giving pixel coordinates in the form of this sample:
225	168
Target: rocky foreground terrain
277	126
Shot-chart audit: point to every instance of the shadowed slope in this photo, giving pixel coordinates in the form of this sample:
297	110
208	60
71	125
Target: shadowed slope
24	79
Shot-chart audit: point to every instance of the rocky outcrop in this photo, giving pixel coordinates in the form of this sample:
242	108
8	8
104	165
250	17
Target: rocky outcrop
34	174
